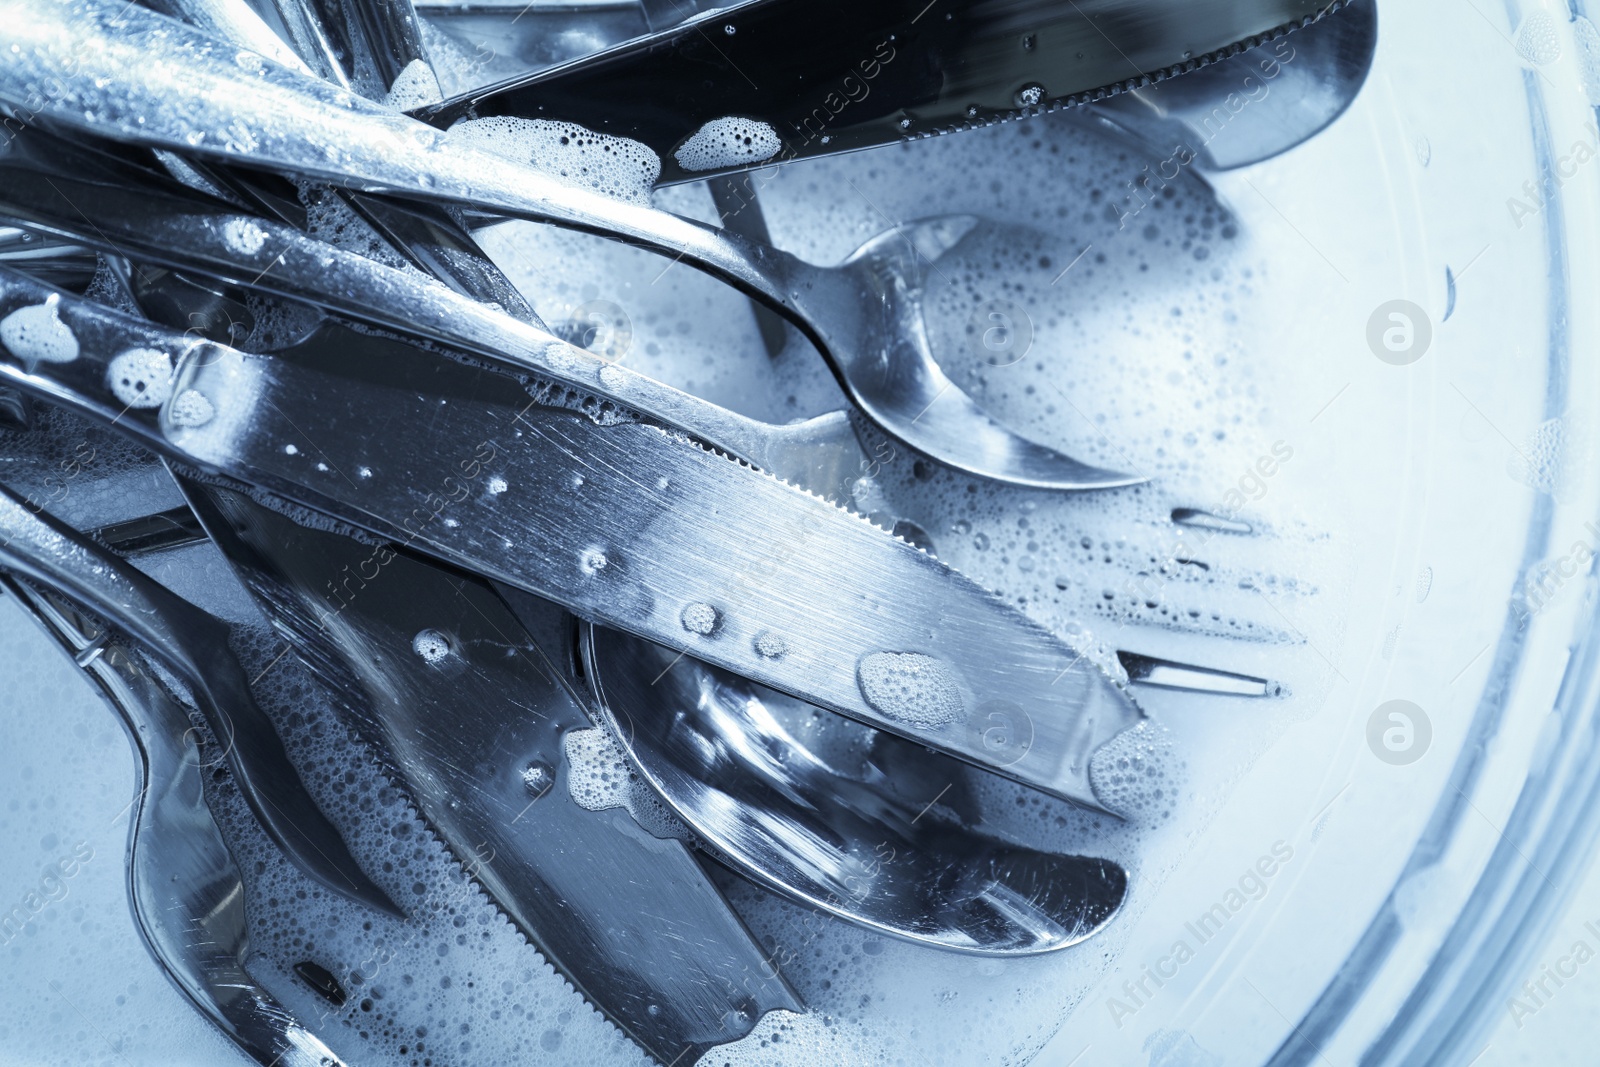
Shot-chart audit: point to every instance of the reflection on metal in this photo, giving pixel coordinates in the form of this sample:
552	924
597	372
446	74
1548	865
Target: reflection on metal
868	827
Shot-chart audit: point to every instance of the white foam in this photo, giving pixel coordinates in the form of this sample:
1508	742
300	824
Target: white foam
415	86
1174	392
1135	774
141	377
600	778
431	645
37	335
728	142
243	236
615	166
699	618
1589	57
1538	40
191	408
597	771
769	645
454	982
910	687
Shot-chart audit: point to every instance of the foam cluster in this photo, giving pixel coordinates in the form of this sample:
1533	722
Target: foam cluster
615	166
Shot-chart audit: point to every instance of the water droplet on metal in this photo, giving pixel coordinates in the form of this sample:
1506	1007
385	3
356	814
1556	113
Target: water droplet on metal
1030	95
537	778
433	646
700	618
191	408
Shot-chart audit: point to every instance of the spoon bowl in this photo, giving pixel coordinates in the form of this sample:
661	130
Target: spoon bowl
861	824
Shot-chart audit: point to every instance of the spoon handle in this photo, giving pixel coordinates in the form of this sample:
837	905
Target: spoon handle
187	894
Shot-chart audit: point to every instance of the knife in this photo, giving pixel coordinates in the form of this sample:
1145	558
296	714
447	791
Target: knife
622	522
777	80
476	736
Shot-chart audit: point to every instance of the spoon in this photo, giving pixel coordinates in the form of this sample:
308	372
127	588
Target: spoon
148	215
863	315
473	713
865	826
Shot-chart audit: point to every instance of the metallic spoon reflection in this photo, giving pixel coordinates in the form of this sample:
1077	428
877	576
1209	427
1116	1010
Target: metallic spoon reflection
864	825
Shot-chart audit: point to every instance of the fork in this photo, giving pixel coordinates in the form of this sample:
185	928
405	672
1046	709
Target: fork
864	315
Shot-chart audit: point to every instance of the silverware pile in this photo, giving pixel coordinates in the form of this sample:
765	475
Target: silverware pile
507	557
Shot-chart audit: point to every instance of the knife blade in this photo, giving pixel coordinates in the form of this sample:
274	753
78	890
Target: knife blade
476	737
821	76
622	522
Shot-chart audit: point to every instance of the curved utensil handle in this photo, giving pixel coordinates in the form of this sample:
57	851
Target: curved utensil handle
187	895
626	525
194	645
141	213
117	81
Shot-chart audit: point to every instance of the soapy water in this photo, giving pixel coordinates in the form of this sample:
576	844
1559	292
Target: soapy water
1549	460
910	687
1136	301
456	983
415	86
243	236
141	377
700	618
599	777
37	335
432	646
191	409
329	218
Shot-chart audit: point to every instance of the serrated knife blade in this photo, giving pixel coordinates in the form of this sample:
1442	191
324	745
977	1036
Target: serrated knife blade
828	76
623	523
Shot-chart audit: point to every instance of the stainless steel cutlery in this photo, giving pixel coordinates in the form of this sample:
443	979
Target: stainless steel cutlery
803	79
613	640
622	522
864	316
